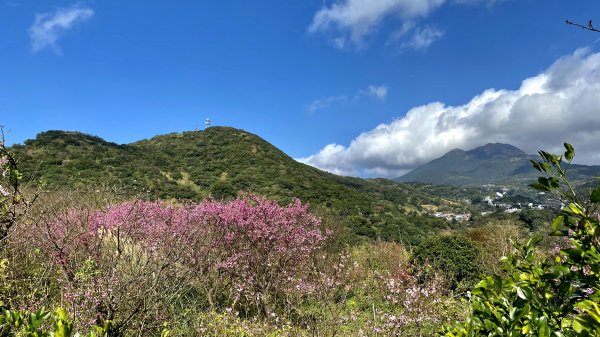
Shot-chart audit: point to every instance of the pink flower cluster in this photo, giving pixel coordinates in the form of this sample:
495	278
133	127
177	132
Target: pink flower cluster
257	244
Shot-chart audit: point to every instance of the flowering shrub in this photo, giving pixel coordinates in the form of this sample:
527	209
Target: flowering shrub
130	261
410	307
372	290
265	248
557	296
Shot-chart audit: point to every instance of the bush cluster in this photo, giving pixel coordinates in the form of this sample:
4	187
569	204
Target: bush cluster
455	256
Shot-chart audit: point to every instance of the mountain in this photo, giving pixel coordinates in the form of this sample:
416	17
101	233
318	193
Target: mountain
500	164
219	162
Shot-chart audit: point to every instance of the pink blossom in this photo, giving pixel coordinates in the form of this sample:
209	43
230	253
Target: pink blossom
258	244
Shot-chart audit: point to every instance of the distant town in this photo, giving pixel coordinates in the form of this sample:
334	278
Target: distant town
498	201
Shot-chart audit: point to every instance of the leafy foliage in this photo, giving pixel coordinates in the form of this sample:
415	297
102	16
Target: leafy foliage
457	257
555	296
44	323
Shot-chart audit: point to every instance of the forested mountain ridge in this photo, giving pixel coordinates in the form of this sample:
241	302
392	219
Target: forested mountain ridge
219	162
500	164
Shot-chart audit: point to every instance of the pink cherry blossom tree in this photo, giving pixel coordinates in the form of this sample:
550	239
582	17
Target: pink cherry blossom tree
127	263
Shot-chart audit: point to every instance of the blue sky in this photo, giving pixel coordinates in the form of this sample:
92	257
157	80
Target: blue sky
345	85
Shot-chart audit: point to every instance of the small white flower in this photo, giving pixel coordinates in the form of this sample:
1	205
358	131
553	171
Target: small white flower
3	191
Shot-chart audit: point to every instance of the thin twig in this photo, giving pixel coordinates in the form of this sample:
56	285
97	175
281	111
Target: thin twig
588	27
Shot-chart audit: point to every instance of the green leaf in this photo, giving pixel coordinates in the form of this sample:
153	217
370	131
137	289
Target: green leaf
61	314
560	270
575	209
537	165
540	187
575	253
545	155
557	222
570	153
525	293
544	181
554	182
595	195
546	167
543	329
521	293
579	324
481	284
550	182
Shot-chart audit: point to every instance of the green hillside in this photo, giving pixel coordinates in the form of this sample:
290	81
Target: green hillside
219	162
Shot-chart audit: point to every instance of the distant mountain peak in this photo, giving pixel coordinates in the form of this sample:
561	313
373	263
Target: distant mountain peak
497	150
490	163
455	151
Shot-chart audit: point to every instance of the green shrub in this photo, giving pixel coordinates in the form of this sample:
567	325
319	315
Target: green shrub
455	256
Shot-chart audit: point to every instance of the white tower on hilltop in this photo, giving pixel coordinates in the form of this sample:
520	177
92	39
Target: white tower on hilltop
207	123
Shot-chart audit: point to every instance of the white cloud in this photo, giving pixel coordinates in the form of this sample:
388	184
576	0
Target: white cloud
380	92
560	104
402	31
360	17
355	19
423	38
49	27
377	91
323	103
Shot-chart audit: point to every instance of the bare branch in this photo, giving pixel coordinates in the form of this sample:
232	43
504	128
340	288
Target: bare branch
589	26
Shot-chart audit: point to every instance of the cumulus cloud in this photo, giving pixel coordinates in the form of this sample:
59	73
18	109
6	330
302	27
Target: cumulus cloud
559	104
50	26
376	91
360	17
355	19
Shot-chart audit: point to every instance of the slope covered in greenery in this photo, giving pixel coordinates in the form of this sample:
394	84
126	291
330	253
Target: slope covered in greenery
220	162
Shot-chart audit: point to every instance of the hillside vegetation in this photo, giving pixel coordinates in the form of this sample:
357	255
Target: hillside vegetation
219	162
